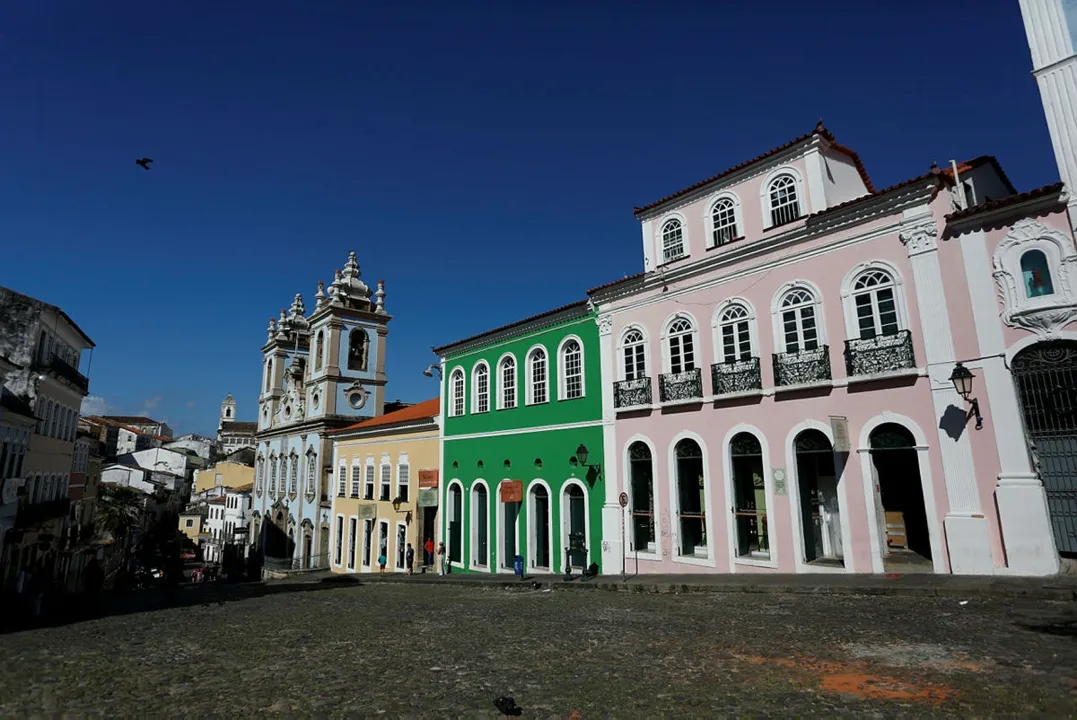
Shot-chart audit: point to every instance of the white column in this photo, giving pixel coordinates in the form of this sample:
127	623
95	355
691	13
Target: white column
813	165
967	539
1024	519
1054	62
612	547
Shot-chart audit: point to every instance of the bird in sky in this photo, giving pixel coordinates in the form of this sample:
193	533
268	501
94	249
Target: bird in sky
144	162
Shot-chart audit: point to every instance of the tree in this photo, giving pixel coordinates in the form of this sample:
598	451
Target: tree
118	510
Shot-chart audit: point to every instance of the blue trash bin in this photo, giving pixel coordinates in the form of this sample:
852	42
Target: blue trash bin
518	565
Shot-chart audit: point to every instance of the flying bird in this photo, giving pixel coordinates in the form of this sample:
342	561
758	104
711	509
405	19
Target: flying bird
144	162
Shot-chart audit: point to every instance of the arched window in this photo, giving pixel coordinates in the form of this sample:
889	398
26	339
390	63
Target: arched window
571	370
480	383
318	342
259	475
876	309
456	393
1036	274
691	501
641	472
537	377
682	353
269	374
784	204
672	240
799	330
356	479
749	497
735	334
293	488
312	471
634	347
724	221
403	478
357	349
507	390
342	479
283	474
273	475
368	489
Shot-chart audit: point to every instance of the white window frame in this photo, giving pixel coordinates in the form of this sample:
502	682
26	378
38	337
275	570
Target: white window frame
338	546
356	481
501	404
400	549
660	242
477	396
622	346
403	469
667	359
717	325
562	369
776	313
385	479
457	395
370	479
531	376
674	501
848	296
738	217
798	185
473	529
342	479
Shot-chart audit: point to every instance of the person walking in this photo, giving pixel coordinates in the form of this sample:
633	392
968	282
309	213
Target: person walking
409	558
441	558
428	560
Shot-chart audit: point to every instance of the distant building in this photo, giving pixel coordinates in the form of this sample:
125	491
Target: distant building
203	447
232	434
226	523
142	424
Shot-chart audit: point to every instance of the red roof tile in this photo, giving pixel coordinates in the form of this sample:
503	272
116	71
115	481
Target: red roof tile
419	411
1044	191
608	285
437	350
819	130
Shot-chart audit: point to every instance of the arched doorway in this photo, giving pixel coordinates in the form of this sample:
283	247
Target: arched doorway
574	525
691	516
820	514
749	497
456	522
903	524
539	507
480	525
641	477
1046	378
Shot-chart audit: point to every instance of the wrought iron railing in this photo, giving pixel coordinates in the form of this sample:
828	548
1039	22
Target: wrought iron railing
632	393
736	376
687	385
879	354
64	370
801	368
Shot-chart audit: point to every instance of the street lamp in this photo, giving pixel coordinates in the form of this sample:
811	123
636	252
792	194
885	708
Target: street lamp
433	368
582	453
962	377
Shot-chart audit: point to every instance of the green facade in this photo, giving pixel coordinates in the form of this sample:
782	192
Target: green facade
535	443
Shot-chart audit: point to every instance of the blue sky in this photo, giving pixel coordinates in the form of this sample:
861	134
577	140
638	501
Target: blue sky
482	158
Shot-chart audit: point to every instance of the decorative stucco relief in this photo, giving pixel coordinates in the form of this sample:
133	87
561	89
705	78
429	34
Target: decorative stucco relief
920	238
1045	314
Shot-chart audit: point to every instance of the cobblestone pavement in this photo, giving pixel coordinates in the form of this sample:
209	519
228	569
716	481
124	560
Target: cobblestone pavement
423	650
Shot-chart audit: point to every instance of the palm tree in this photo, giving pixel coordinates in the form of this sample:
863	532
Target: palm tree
118	510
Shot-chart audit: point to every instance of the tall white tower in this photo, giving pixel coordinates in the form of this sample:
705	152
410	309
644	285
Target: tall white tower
228	411
1051	26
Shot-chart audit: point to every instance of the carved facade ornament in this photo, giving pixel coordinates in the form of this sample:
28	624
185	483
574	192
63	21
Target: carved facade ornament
920	238
605	324
1041	297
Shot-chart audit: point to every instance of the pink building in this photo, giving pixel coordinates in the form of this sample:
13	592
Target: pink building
780	381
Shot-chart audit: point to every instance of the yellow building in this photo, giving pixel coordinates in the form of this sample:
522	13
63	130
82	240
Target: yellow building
192	522
223	474
385	489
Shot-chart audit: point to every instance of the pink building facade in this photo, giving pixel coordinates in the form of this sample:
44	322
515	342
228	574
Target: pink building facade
778	392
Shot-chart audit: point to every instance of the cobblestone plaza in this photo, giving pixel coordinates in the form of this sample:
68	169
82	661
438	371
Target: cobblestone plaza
448	651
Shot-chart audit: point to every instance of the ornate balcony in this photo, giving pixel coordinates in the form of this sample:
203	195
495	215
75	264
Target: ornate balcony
802	368
880	354
736	376
674	387
66	371
632	393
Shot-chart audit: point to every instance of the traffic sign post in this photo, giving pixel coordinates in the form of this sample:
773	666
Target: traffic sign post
623	500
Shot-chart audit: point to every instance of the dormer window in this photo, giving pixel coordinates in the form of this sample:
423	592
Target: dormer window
784	203
724	222
1036	274
672	240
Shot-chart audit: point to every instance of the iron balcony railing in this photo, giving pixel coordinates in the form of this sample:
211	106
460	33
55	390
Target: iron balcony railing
736	376
802	368
879	354
66	371
632	393
687	385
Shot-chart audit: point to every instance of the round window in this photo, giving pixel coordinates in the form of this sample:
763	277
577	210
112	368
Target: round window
314	399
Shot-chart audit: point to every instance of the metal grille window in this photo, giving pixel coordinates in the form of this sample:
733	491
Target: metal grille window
342	480
456	388
682	355
798	321
634	358
294	486
572	370
735	329
538	377
876	311
368	491
724	221
386	480
784	205
356	472
672	241
508	383
481	380
403	480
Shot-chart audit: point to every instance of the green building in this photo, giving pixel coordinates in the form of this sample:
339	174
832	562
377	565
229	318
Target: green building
522	445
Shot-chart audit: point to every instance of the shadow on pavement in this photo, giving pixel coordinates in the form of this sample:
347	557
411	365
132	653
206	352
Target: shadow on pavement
140	601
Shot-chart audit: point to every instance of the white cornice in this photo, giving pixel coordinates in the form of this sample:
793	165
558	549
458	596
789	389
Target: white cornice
518	332
1044	202
524	430
403	428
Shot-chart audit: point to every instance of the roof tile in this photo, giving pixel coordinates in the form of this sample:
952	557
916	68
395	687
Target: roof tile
419	411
